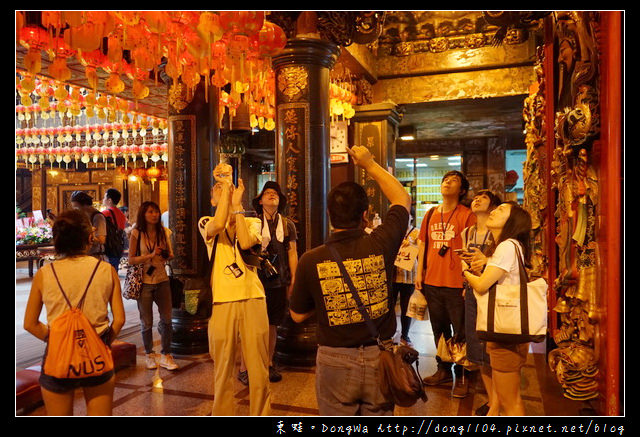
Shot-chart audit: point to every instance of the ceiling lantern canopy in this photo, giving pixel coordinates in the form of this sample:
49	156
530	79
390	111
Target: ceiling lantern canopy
228	46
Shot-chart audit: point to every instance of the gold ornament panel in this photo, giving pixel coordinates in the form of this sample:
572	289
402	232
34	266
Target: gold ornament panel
453	86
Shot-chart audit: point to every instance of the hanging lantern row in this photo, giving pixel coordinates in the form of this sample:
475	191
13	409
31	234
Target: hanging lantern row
139	174
235	45
81	143
41	154
44	98
151	172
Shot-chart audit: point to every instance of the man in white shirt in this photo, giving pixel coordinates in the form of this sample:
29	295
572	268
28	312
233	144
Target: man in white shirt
239	306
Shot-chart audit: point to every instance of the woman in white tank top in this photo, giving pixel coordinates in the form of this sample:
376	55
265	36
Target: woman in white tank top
72	236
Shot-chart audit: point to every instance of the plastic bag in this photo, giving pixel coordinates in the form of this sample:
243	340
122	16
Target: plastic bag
417	308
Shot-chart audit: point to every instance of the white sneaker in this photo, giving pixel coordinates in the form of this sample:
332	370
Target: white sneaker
151	361
167	362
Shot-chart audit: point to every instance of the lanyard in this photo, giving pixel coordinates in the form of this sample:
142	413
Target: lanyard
146	243
444	229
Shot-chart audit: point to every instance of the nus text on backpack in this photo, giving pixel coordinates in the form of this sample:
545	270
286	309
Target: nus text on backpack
74	349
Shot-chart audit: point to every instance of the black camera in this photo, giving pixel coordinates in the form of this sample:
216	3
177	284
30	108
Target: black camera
267	269
443	250
164	253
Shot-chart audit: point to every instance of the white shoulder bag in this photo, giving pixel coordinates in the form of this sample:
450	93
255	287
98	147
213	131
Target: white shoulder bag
513	313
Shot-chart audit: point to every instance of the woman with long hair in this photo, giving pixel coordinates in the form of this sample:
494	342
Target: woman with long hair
150	245
510	226
70	273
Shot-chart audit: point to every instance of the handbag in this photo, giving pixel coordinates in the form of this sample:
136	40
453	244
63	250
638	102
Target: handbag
132	287
407	254
399	381
513	313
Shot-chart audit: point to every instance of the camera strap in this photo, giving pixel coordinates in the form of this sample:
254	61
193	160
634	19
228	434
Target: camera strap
233	243
211	260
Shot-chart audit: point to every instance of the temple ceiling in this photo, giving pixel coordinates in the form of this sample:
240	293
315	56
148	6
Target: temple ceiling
412	38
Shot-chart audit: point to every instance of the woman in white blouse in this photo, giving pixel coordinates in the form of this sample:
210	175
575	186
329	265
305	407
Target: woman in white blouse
150	244
509	224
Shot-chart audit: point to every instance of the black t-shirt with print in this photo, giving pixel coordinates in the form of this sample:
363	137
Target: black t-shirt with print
369	259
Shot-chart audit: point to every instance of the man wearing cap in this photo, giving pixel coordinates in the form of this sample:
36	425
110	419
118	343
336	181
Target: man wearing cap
279	244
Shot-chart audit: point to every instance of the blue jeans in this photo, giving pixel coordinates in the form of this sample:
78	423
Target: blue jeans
160	294
476	349
347	382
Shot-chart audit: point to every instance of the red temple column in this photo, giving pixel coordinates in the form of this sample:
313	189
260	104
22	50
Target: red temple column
610	213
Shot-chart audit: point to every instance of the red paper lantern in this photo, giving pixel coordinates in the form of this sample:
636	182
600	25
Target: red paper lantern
241	22
124	171
153	172
33	37
271	39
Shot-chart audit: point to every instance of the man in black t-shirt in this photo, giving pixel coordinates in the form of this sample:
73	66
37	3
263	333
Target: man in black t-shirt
345	342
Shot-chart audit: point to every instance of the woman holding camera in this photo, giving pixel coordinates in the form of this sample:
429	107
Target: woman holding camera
150	244
510	226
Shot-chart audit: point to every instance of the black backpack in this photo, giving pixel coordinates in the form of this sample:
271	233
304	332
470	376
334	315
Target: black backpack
116	237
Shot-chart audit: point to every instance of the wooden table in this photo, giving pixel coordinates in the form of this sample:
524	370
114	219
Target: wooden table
33	252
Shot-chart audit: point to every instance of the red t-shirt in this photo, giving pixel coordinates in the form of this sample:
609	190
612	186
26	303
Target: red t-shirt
114	212
445	271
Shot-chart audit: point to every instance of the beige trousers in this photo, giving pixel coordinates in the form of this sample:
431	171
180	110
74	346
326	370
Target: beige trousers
248	320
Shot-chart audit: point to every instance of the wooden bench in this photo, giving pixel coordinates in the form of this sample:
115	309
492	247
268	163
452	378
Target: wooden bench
28	394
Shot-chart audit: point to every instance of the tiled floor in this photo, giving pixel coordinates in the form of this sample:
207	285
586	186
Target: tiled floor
188	391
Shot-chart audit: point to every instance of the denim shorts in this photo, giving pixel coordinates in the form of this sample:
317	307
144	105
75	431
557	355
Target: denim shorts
63	385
